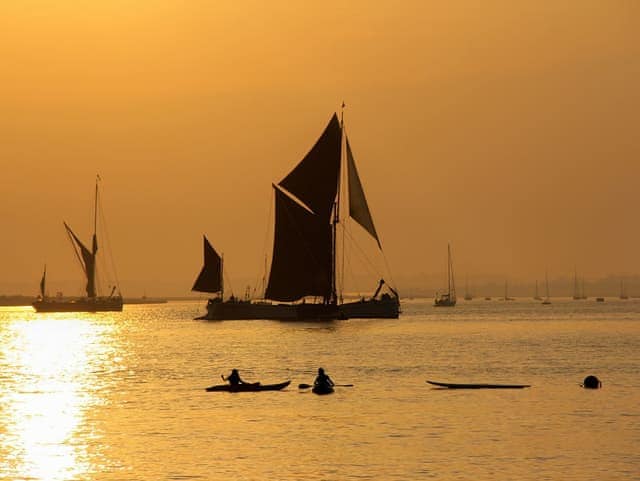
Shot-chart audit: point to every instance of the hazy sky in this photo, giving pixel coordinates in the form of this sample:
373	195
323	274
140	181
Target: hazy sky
508	128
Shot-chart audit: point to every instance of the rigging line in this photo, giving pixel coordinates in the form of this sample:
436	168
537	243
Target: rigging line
351	273
225	274
265	241
108	246
388	269
375	270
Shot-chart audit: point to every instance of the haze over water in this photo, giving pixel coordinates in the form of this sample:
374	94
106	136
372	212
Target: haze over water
121	396
506	128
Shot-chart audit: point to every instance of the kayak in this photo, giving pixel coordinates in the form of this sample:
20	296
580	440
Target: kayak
253	387
450	385
322	389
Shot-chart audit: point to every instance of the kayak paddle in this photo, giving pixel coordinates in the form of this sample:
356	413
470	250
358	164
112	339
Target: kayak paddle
307	386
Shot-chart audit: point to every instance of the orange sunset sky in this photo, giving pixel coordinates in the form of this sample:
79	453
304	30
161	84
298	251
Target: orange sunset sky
510	129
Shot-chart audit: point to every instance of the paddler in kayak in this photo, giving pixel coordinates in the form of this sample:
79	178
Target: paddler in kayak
323	379
234	378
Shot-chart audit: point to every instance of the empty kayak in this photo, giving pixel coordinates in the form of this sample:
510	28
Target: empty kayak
322	389
451	385
254	387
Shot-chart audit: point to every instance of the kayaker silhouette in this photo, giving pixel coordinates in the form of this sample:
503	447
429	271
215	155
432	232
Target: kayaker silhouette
323	379
234	378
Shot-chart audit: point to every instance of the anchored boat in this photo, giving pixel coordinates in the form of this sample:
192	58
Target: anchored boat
447	299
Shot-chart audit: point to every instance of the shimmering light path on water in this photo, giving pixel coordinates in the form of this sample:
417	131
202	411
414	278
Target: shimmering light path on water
120	395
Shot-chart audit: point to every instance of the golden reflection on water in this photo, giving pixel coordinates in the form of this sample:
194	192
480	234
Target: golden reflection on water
47	389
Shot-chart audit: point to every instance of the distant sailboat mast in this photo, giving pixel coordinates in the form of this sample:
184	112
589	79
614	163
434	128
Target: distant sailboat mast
452	284
547	300
448	299
576	286
623	294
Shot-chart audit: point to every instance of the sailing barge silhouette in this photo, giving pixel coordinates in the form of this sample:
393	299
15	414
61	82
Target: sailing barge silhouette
303	263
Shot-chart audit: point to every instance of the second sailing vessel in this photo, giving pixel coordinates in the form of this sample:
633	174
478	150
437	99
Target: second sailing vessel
303	263
87	258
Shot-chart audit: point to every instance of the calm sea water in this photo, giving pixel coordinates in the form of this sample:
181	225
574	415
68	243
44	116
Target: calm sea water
120	396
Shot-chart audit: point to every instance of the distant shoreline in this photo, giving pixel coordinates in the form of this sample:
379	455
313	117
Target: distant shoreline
19	300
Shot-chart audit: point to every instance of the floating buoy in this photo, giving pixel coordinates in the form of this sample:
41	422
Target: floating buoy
591	382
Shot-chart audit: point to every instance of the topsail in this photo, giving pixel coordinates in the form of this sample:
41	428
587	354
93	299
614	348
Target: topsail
358	207
314	181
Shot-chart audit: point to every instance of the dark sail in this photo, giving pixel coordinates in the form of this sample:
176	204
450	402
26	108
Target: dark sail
314	180
43	282
88	261
210	277
301	263
358	207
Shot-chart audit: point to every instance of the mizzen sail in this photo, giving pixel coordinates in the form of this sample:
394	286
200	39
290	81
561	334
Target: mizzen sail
210	277
358	207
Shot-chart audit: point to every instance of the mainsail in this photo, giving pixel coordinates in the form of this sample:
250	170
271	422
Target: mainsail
87	260
303	250
314	181
301	263
210	277
358	207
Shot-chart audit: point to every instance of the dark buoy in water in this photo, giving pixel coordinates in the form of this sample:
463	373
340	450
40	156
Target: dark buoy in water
591	382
